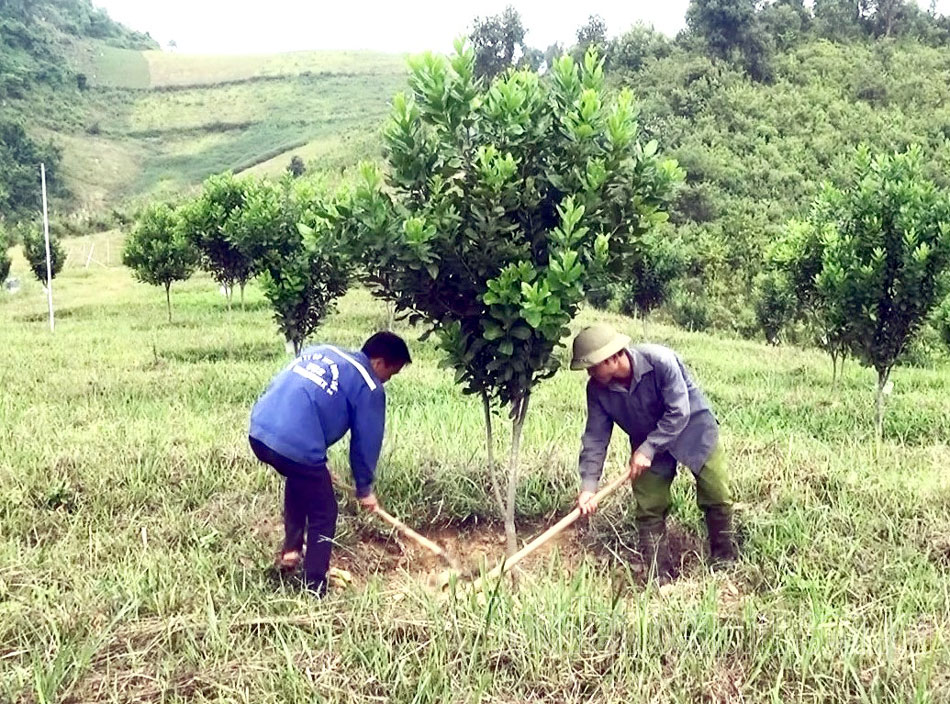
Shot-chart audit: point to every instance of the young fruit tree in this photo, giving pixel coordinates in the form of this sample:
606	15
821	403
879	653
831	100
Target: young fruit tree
294	230
34	249
798	257
501	202
655	263
774	302
942	322
158	252
885	258
5	261
209	223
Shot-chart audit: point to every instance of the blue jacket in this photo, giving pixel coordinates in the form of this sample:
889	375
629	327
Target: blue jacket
313	402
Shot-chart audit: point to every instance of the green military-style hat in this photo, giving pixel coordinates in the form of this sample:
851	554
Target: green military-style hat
596	343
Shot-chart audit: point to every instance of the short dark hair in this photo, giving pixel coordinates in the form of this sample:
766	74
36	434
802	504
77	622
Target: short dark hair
388	347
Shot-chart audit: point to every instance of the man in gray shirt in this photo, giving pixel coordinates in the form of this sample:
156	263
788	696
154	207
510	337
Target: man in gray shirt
646	390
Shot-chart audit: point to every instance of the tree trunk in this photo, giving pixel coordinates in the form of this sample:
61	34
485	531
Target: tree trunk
242	295
490	446
889	9
834	370
230	291
168	299
520	409
879	404
298	346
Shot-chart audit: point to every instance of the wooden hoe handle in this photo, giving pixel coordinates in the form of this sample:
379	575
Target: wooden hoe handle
409	532
397	524
550	533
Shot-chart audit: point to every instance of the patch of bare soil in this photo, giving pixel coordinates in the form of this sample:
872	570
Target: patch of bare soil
368	552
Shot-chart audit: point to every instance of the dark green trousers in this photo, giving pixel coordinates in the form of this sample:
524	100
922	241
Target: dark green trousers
652	490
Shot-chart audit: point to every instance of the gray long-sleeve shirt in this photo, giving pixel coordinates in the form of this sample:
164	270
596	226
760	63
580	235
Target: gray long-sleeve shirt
664	412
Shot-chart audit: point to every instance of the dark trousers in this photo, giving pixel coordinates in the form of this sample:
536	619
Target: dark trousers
310	509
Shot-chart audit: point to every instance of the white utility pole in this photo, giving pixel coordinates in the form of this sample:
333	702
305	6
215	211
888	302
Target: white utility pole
49	265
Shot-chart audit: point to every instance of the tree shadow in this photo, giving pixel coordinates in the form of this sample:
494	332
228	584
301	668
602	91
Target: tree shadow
43	317
241	352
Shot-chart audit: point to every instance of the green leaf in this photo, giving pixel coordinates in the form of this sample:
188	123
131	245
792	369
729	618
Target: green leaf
533	318
520	332
492	331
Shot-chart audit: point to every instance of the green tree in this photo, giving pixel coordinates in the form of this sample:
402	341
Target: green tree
500	205
5	261
552	53
497	39
296	168
531	58
774	304
209	222
592	35
884	15
295	231
657	260
733	31
942	321
158	252
839	19
885	257
787	22
640	44
799	256
34	250
20	159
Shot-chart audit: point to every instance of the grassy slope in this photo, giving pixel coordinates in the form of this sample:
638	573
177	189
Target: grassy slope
155	124
172	69
135	529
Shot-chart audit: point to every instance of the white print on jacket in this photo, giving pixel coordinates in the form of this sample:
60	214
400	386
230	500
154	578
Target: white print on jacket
316	366
319	369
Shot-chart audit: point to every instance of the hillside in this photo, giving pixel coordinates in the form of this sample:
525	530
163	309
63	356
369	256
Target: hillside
757	136
168	121
37	40
154	124
121	122
756	153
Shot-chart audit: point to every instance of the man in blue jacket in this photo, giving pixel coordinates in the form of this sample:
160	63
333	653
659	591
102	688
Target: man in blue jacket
309	406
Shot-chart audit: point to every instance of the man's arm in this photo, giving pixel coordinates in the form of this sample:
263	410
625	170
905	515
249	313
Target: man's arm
672	387
594	442
367	424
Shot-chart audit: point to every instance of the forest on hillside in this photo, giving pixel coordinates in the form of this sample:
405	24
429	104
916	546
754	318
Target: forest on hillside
35	38
761	103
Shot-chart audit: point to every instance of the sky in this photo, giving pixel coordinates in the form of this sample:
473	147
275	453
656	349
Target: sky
266	26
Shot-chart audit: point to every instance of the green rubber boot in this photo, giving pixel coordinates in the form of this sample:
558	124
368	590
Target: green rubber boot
722	542
654	549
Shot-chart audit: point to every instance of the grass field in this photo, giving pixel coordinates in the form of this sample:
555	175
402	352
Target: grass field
136	532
